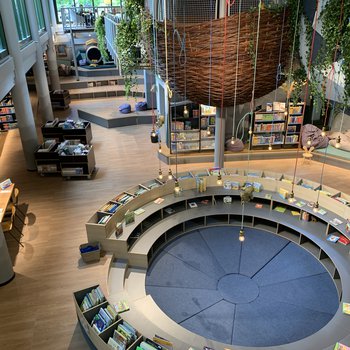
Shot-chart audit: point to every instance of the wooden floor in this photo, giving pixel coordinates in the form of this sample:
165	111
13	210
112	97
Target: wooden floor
37	309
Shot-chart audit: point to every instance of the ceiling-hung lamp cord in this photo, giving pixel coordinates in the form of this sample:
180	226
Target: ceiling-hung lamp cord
331	73
210	52
237	65
278	73
227	6
306	90
174	80
254	79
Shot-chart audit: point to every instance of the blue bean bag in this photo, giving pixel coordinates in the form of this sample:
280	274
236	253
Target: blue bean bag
141	106
125	108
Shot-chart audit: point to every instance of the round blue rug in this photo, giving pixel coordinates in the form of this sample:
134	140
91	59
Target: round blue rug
266	291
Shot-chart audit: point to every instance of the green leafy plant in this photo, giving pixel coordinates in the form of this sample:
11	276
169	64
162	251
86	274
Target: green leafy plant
101	37
133	41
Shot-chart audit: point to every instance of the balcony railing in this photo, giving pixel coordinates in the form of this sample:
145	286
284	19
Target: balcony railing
83	18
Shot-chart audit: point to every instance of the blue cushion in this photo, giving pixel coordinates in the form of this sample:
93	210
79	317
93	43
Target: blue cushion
141	106
125	108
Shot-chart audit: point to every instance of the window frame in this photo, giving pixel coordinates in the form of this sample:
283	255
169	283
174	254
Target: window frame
39	12
22	22
3	44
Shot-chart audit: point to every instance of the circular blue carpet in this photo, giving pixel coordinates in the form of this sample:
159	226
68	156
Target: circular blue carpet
266	291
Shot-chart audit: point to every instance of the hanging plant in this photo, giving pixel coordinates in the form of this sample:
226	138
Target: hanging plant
133	41
336	33
101	37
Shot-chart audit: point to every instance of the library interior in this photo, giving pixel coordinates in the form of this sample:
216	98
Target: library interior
174	175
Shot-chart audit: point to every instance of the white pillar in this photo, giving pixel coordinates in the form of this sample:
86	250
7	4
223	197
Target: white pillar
6	270
52	13
219	151
20	93
51	52
42	88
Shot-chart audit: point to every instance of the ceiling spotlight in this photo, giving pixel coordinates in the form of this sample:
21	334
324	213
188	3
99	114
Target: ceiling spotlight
186	113
170	174
241	235
323	133
232	140
309	141
177	188
337	144
160	174
219	180
315	208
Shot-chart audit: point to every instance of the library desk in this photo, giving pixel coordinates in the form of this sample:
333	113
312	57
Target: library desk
6	270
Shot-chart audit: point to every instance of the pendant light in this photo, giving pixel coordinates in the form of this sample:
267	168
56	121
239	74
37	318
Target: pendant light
323	133
160	174
219	179
170	174
241	235
291	198
309	141
315	207
159	147
270	146
208	131
177	188
232	140
186	113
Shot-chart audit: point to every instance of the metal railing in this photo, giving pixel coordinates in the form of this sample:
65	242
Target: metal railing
84	17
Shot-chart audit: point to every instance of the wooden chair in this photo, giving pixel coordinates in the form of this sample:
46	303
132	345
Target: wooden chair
14	202
8	224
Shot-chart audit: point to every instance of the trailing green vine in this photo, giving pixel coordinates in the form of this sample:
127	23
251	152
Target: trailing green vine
133	41
336	34
101	37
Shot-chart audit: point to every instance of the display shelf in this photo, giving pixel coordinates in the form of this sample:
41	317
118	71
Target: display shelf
294	123
8	119
58	129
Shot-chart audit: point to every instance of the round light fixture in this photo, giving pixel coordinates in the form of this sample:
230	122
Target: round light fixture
232	140
170	174
323	133
219	180
309	141
337	144
241	235
186	113
160	174
315	208
177	188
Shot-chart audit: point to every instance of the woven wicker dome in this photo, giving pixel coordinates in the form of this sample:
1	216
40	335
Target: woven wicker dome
192	79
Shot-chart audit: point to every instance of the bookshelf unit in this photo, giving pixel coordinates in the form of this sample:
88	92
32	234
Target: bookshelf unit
141	240
208	114
184	131
8	119
294	124
268	129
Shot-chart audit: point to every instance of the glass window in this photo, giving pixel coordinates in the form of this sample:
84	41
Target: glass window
22	23
3	46
39	16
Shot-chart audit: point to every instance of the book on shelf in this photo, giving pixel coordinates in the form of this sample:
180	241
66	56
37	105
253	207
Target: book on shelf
344	240
158	200
91	299
340	346
169	210
268	196
346	308
139	211
300	204
332	238
165	343
122	306
296	109
110	208
269	106
279	106
283	193
295	213
322	211
151	344
257	186
336	222
123	198
258	205
103	219
280	209
6	183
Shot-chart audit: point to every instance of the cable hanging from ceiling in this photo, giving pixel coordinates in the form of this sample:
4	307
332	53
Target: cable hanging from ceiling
306	93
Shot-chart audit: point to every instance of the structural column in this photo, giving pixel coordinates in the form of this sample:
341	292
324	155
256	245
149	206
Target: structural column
219	152
42	88
51	52
6	269
20	93
52	13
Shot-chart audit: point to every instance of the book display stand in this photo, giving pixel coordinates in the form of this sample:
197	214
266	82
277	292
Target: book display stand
165	216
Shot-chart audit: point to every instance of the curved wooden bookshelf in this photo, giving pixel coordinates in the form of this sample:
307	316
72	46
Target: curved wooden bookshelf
134	248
